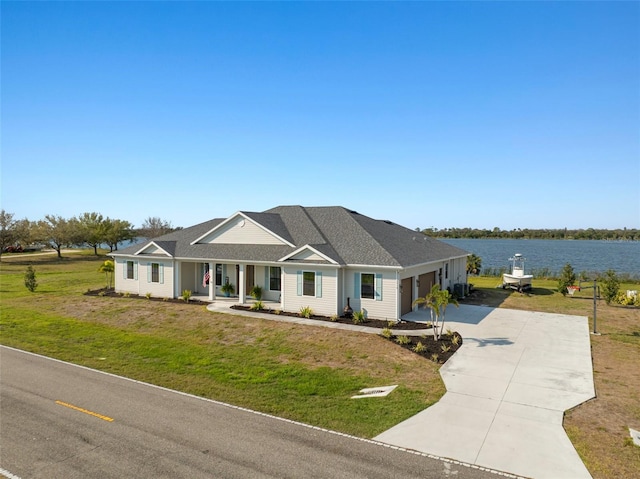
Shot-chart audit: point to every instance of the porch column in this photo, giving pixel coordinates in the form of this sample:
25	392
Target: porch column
212	282
240	285
177	279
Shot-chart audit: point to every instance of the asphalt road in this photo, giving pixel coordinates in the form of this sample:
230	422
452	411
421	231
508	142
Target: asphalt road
58	420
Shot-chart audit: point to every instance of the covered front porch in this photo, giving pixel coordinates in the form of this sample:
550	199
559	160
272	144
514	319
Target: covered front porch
205	280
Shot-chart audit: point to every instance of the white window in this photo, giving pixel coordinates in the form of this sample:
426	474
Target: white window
274	278
309	283
367	286
155	273
130	270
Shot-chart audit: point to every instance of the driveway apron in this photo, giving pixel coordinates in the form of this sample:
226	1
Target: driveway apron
507	389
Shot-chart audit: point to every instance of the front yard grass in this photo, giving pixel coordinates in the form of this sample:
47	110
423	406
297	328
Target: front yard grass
298	372
599	429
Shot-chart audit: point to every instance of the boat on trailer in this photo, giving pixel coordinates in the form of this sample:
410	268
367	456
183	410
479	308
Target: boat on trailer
517	279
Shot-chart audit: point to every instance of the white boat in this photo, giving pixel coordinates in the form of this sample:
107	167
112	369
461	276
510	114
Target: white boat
517	279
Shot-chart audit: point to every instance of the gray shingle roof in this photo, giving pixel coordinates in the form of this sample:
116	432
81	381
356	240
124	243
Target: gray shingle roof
345	236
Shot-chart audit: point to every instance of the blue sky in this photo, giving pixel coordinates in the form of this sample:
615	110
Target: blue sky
429	114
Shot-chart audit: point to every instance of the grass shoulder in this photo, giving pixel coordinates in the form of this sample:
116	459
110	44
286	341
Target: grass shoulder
298	372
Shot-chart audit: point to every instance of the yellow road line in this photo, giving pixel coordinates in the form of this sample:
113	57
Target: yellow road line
91	413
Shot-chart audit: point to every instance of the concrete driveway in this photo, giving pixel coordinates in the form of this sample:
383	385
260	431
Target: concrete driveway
507	389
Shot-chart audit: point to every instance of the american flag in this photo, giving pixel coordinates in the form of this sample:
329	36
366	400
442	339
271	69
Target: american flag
205	280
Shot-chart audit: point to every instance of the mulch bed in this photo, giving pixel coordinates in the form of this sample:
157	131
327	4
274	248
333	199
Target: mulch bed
371	323
437	351
110	293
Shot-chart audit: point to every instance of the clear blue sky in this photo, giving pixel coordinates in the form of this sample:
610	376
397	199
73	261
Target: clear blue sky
429	114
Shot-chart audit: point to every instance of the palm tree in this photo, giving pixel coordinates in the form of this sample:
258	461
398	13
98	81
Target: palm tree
429	301
107	268
437	301
474	264
445	300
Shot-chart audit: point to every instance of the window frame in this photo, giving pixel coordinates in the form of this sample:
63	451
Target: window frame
309	285
155	272
275	277
132	270
218	278
371	286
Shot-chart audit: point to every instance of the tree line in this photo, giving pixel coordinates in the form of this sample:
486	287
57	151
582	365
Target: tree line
88	229
624	234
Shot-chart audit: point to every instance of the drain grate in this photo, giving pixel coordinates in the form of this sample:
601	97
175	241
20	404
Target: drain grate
635	435
374	392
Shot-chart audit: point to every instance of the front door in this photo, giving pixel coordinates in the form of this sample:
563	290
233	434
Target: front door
249	275
406	296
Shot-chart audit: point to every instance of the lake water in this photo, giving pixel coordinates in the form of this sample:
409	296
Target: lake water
590	256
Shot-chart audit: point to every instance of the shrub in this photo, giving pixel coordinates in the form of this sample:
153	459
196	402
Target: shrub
403	340
435	357
609	286
306	312
186	295
445	348
387	333
256	292
358	317
277	312
126	294
419	348
334	317
257	306
30	279
455	340
567	278
148	295
227	289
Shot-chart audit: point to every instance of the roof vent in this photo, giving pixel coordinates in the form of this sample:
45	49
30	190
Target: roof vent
388	222
354	212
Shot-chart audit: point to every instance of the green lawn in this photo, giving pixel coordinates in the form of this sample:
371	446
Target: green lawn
302	373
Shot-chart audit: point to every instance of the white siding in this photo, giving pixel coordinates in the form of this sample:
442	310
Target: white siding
306	255
326	305
152	249
160	290
385	309
241	231
122	284
187	278
262	278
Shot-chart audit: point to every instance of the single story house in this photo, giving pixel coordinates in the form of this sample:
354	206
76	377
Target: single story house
320	257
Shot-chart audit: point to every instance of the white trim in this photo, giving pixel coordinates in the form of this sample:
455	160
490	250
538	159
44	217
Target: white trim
310	248
152	243
232	217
